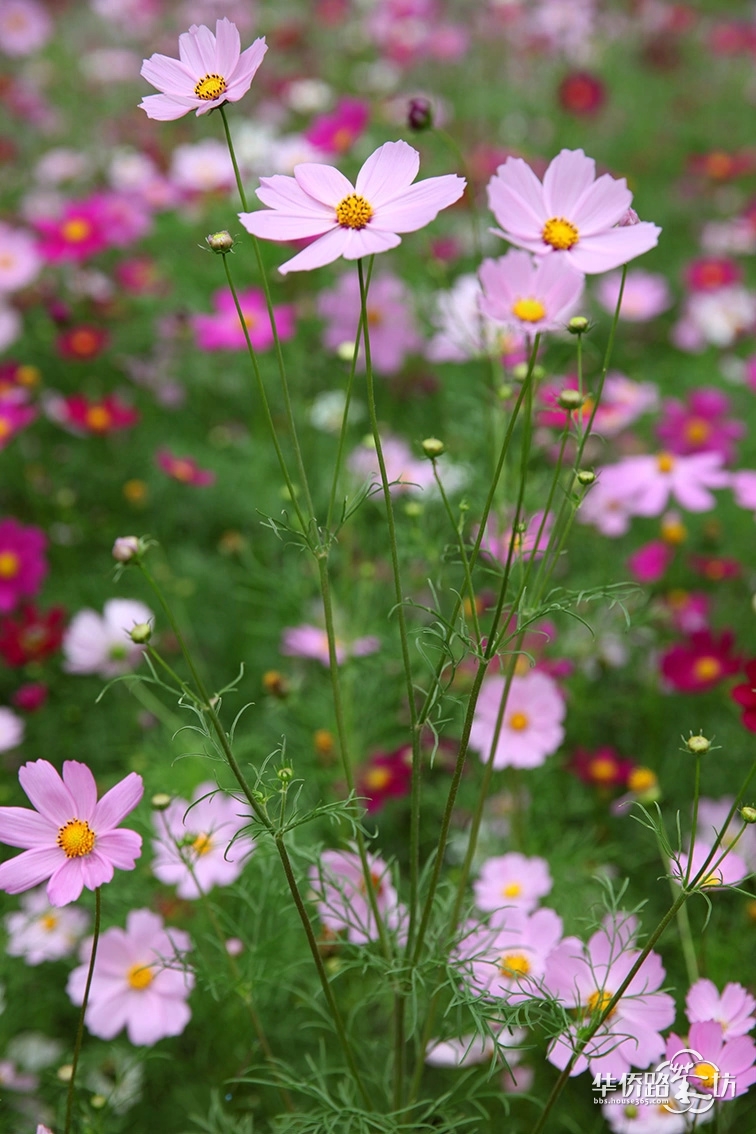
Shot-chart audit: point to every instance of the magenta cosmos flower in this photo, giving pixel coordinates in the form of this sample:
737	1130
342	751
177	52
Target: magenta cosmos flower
69	838
528	294
210	71
22	562
140	981
351	220
572	213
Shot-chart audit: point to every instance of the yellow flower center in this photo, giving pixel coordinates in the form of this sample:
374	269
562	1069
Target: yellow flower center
182	470
342	139
140	977
375	318
598	1001
49	922
514	965
28	375
376	881
76	839
518	721
511	890
665	462
707	1075
674	532
642	780
210	87
353	212
529	310
377	778
707	669
697	430
83	342
202	844
98	418
602	770
713	880
560	234
76	230
9	564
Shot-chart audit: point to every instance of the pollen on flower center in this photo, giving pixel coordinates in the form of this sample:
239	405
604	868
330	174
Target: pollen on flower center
353	212
378	778
514	965
202	844
49	922
598	1001
529	310
511	890
707	1075
518	721
697	430
97	417
139	977
602	769
76	230
9	564
665	462
642	780
76	839
210	87
560	234
707	668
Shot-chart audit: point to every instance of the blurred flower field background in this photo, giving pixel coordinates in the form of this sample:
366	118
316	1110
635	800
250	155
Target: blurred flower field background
377	781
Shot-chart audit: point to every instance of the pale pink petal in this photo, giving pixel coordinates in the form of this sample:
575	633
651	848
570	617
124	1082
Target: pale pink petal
607	250
122	847
29	869
81	783
161	1017
515	197
21	827
66	883
284	193
601	206
323	251
322	183
169	76
227	47
164	108
190	55
569	175
270	225
117	803
367	241
388	172
107	1016
250	60
96	869
47	792
418	205
204	44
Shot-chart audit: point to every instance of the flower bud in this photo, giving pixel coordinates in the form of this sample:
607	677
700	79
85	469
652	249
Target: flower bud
748	814
220	242
628	218
141	633
126	548
585	477
432	447
160	801
504	391
698	745
578	325
285	775
570	399
419	114
520	372
345	351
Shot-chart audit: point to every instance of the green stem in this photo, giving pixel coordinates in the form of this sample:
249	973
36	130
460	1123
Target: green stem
462	551
82	1013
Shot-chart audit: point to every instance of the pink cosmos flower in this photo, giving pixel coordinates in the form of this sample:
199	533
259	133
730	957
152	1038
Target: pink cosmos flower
464	331
712	814
183	469
648	482
69	838
725	1069
700	424
508	958
743	483
140	981
532	725
406	474
351	220
339	887
100	643
20	262
650	562
392	325
512	880
645	295
531	542
729	872
39	932
586	977
223	331
202	167
210	71
571	213
529	295
11	729
25	27
336	133
311	642
22	562
733	1009
199	844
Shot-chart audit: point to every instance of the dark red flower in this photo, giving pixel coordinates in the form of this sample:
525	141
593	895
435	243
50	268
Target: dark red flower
103	416
715	567
581	93
30	634
83	342
386	776
745	695
701	661
604	768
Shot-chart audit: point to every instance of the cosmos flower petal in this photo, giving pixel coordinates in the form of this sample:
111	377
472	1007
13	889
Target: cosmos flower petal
610	249
170	77
67	882
387	173
323	251
106	1016
323	183
122	847
567	178
279	192
227	47
270	225
366	241
116	804
96	870
164	108
419	205
21	827
81	783
205	48
251	58
47	792
515	197
602	205
29	869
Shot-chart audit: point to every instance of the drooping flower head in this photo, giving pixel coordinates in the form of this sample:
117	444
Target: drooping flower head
211	70
140	981
69	838
572	213
351	220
